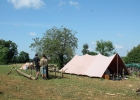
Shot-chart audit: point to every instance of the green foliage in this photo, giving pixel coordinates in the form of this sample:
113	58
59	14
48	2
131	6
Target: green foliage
86	51
123	59
23	57
135	73
59	43
8	50
106	48
92	53
30	60
133	56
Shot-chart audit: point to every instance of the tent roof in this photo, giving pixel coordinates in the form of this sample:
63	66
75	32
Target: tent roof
93	66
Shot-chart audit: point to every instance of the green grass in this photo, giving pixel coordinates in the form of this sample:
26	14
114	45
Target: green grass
71	87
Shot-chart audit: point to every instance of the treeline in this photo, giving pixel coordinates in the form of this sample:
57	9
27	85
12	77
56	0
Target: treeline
9	53
133	56
106	48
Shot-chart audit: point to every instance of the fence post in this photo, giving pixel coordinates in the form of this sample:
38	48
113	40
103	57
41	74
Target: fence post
62	73
55	71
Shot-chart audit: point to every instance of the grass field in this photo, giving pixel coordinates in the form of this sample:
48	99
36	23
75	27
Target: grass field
71	87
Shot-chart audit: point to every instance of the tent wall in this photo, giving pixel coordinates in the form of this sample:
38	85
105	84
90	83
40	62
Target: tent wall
113	66
94	66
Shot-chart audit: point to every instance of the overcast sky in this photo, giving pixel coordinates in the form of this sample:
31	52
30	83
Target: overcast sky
110	20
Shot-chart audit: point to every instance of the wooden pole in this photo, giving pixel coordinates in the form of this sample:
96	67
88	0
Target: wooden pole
55	70
117	74
62	73
24	74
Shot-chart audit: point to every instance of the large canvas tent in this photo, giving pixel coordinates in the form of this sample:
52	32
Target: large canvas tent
95	66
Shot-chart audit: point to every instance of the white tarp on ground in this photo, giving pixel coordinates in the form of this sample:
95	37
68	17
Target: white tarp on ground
94	66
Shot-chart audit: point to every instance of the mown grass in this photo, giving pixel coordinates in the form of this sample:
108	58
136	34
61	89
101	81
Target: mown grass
71	87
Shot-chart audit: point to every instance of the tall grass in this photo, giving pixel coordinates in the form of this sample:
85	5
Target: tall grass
71	87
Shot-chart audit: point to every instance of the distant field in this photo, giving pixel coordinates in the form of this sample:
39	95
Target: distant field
71	87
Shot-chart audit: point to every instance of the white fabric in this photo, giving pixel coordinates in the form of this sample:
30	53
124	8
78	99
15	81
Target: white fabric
93	66
98	66
25	66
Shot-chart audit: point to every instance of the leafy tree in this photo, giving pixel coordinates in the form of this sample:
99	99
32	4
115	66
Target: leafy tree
56	42
92	53
8	50
106	48
15	59
23	57
133	56
85	49
123	59
30	60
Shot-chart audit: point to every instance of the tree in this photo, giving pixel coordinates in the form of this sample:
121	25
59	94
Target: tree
133	56
106	48
92	53
23	57
123	59
8	51
57	42
85	49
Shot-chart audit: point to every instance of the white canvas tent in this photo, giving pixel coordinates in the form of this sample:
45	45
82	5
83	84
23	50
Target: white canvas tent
95	66
27	65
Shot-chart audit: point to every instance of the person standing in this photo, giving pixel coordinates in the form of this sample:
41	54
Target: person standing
43	64
36	64
47	74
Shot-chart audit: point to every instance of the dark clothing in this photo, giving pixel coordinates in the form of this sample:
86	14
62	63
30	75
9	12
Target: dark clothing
36	63
37	69
47	75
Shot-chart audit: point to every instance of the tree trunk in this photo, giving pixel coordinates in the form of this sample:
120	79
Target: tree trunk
61	60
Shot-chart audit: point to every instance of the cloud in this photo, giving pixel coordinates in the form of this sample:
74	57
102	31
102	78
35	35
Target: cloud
61	3
89	49
13	24
93	43
18	4
28	24
75	4
120	35
118	46
32	34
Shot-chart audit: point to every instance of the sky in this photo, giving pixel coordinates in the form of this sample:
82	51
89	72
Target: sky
117	21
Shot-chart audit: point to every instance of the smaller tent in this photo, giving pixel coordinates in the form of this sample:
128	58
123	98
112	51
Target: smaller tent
95	66
25	66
